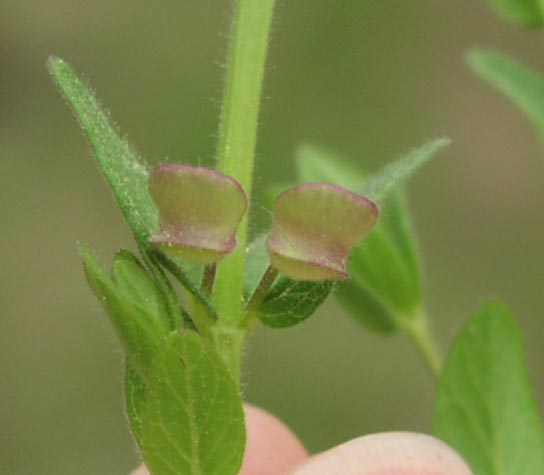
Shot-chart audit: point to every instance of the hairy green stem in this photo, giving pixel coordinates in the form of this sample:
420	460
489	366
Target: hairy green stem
235	157
237	137
420	334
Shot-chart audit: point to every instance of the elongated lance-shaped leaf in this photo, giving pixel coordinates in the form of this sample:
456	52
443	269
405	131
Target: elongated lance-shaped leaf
523	87
138	317
192	421
123	169
485	408
380	185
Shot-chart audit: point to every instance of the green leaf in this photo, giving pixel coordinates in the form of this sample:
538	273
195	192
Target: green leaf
193	421
292	301
135	393
380	185
366	308
522	86
138	322
123	169
288	302
135	286
485	408
529	13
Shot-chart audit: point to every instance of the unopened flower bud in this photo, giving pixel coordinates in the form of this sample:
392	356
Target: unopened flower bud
200	210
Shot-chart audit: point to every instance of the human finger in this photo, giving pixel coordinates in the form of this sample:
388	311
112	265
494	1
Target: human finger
400	453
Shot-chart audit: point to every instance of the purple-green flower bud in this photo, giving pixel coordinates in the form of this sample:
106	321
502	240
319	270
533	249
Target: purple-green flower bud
316	225
200	210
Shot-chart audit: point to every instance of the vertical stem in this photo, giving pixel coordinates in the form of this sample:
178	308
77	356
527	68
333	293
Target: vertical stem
267	280
237	137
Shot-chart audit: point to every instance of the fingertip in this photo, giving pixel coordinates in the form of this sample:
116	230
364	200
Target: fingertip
272	448
401	453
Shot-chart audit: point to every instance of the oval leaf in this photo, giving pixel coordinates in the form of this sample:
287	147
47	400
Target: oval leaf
485	408
193	420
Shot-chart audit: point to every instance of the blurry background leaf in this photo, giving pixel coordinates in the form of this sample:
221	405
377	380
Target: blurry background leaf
528	13
314	163
192	421
485	407
522	86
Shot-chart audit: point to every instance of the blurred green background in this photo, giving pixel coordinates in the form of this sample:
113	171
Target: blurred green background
370	79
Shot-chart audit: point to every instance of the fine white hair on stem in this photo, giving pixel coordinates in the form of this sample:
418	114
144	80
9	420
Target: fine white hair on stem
390	453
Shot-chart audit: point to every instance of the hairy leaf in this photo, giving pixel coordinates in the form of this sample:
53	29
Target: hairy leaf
485	408
522	86
380	185
192	422
123	169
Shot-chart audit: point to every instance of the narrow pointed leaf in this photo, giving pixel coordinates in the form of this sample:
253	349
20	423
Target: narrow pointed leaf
485	408
123	169
523	87
380	185
193	421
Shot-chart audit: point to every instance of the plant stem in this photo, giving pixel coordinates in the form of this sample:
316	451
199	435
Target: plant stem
420	334
237	137
266	282
208	277
235	157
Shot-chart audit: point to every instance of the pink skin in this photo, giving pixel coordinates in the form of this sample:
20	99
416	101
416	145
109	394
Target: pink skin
272	449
